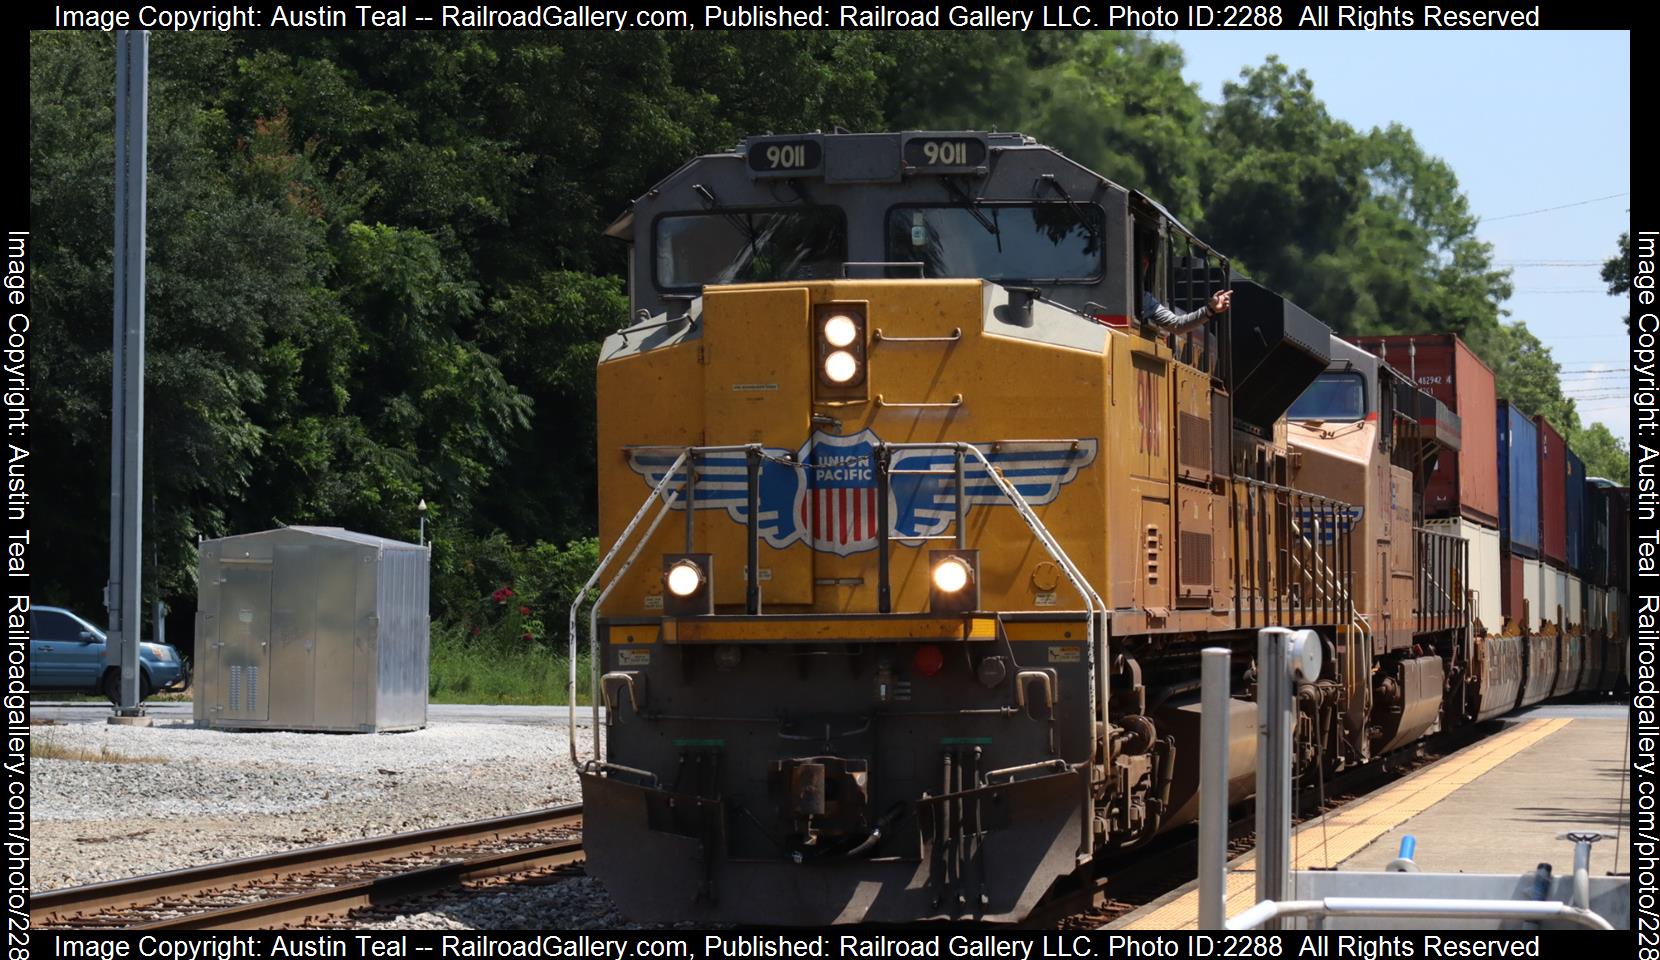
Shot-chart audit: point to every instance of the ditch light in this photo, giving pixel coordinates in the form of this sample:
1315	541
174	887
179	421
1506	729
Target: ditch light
953	581
688	584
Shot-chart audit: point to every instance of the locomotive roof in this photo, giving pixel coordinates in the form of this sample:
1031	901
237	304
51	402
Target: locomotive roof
846	157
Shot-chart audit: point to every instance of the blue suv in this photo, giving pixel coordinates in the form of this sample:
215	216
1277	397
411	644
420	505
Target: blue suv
67	653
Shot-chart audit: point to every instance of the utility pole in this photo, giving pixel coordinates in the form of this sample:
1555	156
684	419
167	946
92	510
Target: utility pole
124	595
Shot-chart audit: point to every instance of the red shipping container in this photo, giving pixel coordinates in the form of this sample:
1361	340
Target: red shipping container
1553	493
1465	482
1511	591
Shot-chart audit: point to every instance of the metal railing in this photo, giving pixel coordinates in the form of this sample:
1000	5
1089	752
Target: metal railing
1314	582
1535	910
1442	568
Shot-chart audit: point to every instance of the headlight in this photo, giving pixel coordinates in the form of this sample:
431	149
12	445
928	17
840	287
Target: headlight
840	366
688	584
840	330
951	575
839	349
160	651
684	578
953	580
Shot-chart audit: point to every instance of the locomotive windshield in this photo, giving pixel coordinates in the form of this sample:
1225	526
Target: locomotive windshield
1053	242
1334	396
749	246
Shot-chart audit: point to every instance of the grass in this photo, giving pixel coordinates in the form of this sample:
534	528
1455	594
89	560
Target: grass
48	748
462	672
468	674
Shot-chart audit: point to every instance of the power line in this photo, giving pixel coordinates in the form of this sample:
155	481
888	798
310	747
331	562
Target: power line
1577	203
1548	263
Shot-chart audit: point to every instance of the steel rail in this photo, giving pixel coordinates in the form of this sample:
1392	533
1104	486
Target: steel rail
315	905
66	903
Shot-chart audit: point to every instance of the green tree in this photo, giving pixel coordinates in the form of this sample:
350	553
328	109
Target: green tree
1603	453
1366	231
230	274
1616	272
1526	373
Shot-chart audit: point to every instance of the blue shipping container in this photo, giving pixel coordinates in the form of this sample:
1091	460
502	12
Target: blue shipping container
1518	480
1577	519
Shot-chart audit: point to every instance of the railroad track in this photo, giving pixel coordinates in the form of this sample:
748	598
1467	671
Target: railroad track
310	885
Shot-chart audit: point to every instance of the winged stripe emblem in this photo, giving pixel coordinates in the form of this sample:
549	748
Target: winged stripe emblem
824	493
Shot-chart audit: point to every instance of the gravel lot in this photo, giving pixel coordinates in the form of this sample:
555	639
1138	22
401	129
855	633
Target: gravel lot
185	796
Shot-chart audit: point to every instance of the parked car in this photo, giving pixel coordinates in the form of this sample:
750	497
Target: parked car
67	653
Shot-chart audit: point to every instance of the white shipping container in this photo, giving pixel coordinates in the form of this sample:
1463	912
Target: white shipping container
1485	567
1533	591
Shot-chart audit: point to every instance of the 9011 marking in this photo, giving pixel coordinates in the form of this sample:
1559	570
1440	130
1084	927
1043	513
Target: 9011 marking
950	153
787	156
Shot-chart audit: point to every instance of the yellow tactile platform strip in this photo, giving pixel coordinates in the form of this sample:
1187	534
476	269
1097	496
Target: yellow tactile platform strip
1348	831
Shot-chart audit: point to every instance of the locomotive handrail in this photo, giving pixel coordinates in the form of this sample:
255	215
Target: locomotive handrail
582	594
1097	607
955	401
1328	569
687	458
877	336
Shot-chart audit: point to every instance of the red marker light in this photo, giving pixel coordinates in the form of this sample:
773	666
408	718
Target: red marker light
929	660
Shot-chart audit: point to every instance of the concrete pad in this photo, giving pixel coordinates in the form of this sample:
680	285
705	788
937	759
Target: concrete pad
138	721
1374	825
1507	819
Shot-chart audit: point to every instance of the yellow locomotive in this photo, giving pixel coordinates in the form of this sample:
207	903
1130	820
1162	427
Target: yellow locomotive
914	531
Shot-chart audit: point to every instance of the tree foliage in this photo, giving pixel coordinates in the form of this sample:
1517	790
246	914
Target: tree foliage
1616	272
377	271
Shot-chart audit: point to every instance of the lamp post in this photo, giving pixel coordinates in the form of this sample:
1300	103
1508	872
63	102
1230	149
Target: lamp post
422	507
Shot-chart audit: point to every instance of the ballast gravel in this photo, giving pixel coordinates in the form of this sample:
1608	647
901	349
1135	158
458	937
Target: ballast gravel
172	796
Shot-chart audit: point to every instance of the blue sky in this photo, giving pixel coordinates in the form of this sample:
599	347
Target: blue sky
1527	121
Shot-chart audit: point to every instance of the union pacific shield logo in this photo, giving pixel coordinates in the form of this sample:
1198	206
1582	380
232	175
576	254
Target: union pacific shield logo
824	494
838	514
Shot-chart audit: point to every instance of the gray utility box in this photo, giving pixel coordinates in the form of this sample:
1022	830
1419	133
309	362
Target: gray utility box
311	628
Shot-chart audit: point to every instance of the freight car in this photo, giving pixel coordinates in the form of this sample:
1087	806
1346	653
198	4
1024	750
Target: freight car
948	525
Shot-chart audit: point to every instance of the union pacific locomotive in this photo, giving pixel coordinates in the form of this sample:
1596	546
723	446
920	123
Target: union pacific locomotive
914	531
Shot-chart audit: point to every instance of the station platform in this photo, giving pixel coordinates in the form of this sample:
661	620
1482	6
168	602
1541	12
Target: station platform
1493	807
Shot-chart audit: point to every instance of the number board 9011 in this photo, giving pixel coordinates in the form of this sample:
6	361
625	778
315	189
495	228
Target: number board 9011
791	157
944	153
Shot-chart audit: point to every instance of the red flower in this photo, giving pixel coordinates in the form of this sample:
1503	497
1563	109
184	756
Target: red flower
528	637
524	611
501	595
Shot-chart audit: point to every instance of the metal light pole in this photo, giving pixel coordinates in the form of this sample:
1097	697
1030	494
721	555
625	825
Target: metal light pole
1214	743
422	507
123	595
1283	656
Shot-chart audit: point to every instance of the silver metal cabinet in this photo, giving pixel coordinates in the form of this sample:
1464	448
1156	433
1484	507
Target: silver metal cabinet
312	628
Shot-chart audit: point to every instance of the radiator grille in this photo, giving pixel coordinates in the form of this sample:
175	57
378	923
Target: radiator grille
1193	443
235	699
1195	561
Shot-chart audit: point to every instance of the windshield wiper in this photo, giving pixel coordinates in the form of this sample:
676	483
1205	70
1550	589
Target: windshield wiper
743	225
1071	204
973	208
